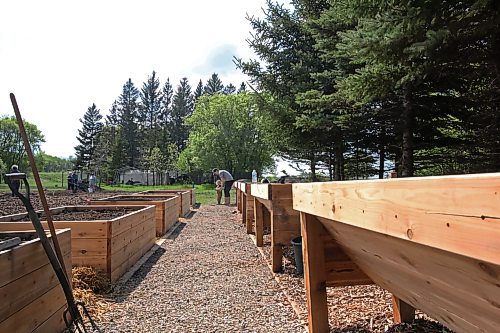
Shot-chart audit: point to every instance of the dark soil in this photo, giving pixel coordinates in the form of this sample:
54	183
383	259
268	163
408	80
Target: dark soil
133	198
12	205
25	236
87	215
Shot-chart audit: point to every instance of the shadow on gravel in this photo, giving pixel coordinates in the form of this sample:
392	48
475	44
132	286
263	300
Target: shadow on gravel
177	231
351	329
122	292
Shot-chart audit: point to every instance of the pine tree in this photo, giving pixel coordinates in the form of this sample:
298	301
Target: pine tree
229	89
214	85
150	114
182	107
87	137
242	88
198	91
128	108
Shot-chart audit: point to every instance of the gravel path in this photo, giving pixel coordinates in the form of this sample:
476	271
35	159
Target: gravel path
210	278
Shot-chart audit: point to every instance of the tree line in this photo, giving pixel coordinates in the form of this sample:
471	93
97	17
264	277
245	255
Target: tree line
374	86
151	129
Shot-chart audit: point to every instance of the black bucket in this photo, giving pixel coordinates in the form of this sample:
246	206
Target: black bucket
297	251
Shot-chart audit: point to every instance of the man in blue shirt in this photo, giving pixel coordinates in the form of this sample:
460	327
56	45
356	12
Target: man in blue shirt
227	182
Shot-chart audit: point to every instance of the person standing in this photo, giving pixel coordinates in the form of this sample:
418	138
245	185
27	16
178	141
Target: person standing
17	182
92	183
227	182
74	181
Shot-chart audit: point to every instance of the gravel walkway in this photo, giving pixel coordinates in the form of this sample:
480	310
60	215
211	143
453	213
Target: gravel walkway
210	278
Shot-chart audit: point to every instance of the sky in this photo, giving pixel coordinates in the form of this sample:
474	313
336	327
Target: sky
59	57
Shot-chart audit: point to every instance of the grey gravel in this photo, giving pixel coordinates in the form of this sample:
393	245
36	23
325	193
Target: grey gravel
210	278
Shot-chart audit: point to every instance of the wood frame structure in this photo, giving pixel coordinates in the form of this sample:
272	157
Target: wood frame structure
434	242
273	208
31	299
111	246
167	207
239	201
247	206
192	195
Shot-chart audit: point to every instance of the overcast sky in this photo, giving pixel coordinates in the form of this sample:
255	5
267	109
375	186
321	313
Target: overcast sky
59	57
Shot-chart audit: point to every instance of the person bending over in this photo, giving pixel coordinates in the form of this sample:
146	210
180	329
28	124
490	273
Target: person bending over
227	182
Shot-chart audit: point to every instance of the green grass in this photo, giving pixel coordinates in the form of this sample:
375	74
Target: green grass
205	193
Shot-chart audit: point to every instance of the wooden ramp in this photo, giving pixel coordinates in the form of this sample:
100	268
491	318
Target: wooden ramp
433	242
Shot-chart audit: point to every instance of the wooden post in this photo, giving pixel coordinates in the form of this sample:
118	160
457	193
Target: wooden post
247	221
402	311
314	273
243	208
276	250
259	222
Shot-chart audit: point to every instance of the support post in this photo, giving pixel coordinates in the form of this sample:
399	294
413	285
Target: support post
314	273
259	222
402	311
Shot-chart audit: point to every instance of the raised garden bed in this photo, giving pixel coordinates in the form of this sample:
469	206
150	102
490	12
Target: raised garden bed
110	239
192	193
433	242
273	208
166	207
247	205
31	299
186	197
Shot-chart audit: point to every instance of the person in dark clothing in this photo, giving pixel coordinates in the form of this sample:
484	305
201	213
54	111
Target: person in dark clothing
15	183
227	182
74	181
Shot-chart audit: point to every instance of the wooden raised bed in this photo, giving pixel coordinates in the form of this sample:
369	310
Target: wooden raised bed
109	245
247	206
239	201
166	207
192	193
273	208
31	297
433	242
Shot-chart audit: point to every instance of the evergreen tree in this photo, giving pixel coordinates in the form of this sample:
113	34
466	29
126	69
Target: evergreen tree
229	89
214	85
129	140
87	137
182	107
242	88
150	114
198	91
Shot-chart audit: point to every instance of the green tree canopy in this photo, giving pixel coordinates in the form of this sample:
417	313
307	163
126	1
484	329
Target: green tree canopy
228	132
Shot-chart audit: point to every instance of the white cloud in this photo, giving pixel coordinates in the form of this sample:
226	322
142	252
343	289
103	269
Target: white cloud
59	57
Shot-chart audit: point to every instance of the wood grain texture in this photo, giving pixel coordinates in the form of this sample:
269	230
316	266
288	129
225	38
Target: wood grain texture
459	214
31	298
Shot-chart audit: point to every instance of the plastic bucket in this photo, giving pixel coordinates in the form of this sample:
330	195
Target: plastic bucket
297	251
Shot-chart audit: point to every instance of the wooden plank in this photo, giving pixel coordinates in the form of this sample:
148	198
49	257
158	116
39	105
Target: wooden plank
31	316
427	278
451	213
403	312
261	191
280	191
314	273
55	323
259	222
9	243
82	229
28	257
89	246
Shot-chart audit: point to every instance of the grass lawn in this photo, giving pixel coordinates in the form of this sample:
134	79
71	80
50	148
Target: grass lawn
205	193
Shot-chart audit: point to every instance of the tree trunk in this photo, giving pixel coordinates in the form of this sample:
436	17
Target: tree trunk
381	166
313	167
338	161
407	123
330	164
